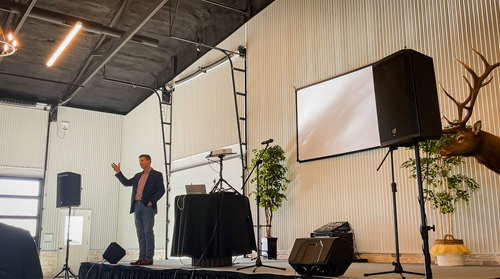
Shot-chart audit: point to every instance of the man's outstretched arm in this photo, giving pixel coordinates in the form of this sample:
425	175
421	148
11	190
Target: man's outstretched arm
120	176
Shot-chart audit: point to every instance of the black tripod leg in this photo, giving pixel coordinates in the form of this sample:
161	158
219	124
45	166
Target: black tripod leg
69	269
231	187
398	268
275	267
241	268
414	273
58	273
258	264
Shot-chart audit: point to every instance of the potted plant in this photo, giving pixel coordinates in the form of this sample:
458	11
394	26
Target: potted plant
446	190
272	187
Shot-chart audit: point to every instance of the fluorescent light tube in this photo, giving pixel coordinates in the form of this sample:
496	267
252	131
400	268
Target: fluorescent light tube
65	43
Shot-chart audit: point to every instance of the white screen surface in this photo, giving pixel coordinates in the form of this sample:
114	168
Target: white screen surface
337	116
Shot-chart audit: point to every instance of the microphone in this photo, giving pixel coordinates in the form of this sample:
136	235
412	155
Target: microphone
267	141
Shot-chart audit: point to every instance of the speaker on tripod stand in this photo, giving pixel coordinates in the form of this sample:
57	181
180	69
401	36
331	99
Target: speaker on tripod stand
408	112
68	195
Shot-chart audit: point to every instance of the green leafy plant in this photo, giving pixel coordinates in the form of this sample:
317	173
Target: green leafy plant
272	181
445	187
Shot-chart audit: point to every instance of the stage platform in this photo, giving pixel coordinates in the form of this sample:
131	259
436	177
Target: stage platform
181	269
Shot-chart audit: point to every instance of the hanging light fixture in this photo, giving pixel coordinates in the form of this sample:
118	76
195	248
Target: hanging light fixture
8	44
65	43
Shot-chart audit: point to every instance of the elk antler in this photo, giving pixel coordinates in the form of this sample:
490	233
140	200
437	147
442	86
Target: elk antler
474	87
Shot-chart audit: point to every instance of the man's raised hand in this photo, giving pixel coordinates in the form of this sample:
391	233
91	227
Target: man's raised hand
116	167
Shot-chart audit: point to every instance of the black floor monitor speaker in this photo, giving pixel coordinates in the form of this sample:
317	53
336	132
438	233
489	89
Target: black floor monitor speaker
327	256
68	189
406	99
113	253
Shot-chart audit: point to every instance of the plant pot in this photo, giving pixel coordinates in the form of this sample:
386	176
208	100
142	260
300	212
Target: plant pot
270	248
450	251
451	260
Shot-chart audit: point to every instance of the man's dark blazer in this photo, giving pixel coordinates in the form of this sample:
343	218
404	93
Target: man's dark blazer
18	254
153	190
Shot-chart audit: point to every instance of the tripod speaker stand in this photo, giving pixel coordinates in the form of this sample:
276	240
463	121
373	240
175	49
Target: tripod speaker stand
218	187
398	268
66	269
258	260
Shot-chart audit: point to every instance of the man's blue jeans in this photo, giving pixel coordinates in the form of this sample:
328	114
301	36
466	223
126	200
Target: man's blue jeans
144	217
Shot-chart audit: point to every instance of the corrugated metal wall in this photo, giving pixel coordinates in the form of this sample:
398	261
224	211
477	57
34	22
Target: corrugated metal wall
92	142
296	43
204	116
23	136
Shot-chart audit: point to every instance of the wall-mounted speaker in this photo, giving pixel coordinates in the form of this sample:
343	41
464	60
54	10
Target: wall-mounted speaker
113	253
406	99
328	256
68	189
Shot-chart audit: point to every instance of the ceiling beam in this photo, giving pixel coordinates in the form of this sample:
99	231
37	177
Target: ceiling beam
115	49
67	20
226	7
41	79
24	15
94	53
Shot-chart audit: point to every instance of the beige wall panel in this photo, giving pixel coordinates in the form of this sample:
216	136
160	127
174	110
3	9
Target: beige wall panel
92	142
296	43
204	116
23	136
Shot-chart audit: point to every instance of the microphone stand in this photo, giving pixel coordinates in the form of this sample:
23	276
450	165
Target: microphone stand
258	262
256	164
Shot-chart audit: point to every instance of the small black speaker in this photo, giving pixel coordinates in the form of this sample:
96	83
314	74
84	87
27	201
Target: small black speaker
68	189
328	256
406	99
113	253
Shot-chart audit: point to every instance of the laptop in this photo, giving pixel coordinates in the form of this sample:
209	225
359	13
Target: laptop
196	189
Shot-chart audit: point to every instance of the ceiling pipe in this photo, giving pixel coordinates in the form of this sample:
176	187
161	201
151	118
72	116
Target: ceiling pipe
59	18
155	7
226	7
41	79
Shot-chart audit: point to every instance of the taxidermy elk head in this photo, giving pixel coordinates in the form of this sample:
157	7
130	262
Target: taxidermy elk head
474	142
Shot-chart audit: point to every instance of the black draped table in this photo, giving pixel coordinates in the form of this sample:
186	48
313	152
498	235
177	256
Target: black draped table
212	228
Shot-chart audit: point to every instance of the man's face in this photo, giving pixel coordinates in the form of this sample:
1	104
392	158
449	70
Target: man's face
144	163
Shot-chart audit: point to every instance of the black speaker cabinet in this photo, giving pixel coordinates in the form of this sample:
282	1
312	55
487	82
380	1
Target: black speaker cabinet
326	256
68	189
406	99
113	253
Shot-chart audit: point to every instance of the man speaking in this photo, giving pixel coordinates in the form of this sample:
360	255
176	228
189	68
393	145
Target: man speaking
147	189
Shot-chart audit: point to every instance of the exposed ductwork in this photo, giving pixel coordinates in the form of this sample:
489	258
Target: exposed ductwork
177	27
59	18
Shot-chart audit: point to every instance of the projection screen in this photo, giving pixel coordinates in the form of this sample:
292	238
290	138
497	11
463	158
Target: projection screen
337	116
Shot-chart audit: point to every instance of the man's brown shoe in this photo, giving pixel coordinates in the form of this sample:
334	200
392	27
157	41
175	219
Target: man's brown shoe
146	262
138	262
